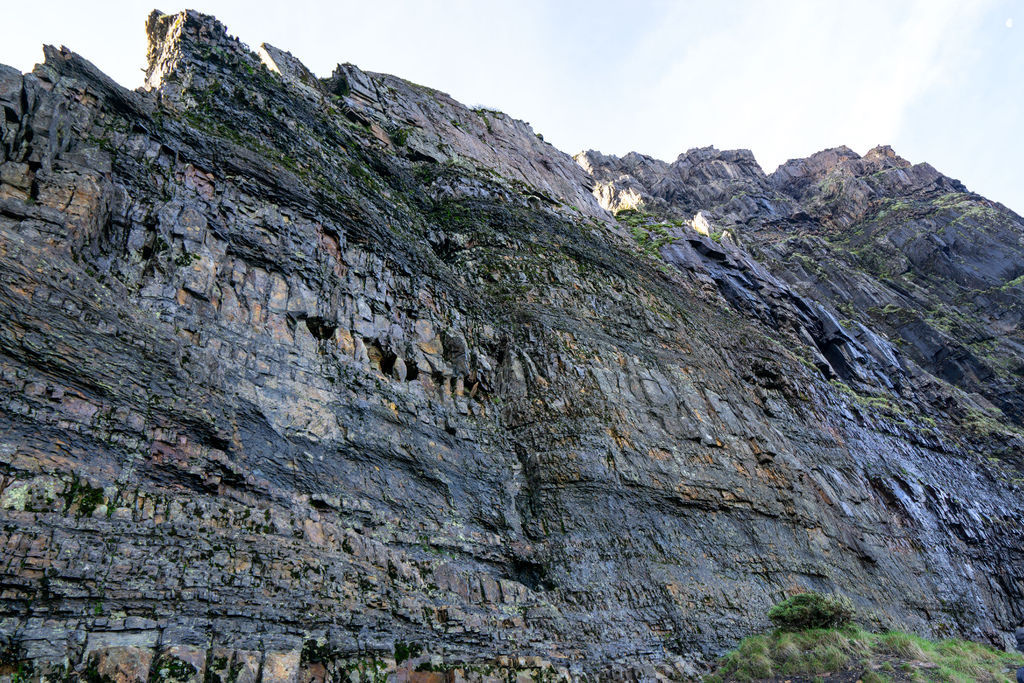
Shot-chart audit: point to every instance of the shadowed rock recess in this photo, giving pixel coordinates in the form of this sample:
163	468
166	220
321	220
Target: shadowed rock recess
310	379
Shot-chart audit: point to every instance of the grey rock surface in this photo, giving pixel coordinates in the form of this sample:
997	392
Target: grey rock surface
333	379
883	243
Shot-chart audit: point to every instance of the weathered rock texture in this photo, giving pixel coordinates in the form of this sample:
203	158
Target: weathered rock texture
311	379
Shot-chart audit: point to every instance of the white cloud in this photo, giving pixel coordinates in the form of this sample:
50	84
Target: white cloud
787	79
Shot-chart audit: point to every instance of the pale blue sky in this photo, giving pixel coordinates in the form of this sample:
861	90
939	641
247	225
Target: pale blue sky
941	81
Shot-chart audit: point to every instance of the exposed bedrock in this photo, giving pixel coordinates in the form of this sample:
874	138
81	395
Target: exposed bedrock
310	379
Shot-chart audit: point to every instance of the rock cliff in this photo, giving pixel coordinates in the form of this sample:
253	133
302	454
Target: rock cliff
313	379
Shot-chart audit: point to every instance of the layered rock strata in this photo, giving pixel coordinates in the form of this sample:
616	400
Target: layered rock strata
314	379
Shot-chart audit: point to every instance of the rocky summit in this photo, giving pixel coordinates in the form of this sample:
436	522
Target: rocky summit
311	379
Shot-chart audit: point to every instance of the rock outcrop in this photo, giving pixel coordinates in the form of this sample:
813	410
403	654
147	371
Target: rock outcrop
310	379
881	242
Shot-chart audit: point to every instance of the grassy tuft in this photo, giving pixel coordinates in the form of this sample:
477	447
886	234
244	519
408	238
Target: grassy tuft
869	657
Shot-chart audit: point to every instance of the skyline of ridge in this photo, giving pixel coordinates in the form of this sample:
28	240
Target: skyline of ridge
931	79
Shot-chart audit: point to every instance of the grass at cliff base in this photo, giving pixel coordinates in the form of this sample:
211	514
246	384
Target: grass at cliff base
853	654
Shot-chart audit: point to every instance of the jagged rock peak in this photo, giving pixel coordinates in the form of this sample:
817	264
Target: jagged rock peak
729	184
708	161
288	66
818	163
847	183
731	161
175	38
796	173
191	56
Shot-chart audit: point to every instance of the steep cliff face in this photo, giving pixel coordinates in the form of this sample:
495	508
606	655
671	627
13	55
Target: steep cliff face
304	379
898	247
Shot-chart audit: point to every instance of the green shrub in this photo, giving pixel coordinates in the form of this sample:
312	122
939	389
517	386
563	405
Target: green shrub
812	610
